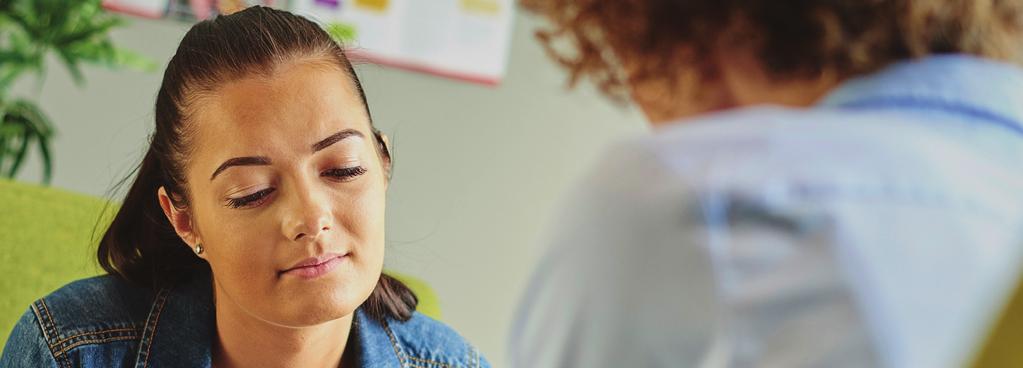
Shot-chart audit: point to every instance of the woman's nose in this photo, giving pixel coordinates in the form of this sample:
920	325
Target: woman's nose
307	217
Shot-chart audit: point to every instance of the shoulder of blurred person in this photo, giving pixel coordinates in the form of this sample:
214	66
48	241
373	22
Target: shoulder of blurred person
105	322
772	236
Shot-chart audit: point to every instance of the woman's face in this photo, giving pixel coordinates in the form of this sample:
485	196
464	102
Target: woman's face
287	194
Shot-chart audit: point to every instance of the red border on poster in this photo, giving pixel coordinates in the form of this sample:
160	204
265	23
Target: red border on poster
120	8
366	56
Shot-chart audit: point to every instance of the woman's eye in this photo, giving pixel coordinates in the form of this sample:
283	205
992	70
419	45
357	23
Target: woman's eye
250	200
344	173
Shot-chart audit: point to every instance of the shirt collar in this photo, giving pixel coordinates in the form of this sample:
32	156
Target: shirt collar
983	88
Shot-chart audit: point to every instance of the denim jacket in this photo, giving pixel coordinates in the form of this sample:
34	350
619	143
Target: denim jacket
105	322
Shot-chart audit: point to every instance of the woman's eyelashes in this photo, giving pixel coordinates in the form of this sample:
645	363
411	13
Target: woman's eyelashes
250	200
257	198
344	174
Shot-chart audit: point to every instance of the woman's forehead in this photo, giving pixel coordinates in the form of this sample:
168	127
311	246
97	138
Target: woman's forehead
300	89
281	114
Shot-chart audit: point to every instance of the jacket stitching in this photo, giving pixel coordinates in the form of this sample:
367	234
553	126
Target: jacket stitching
428	361
394	344
49	323
402	356
42	322
148	333
66	339
68	348
90	337
43	326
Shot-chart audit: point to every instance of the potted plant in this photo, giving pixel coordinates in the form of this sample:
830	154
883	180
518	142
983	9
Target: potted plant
77	33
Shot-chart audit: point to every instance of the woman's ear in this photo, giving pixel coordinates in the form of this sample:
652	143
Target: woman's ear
180	219
385	151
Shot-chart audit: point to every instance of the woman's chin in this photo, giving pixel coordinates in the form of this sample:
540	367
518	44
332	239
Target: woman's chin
316	305
310	314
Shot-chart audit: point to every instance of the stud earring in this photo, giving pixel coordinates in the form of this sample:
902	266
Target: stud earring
198	248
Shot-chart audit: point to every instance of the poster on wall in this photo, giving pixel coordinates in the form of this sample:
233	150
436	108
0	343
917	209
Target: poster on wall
462	39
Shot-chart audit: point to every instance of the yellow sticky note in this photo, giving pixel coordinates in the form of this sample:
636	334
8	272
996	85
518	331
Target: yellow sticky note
376	5
488	7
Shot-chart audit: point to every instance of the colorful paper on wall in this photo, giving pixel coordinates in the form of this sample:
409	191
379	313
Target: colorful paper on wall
463	39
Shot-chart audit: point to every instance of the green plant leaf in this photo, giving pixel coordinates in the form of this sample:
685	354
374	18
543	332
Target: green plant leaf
131	59
71	64
23	123
35	119
341	32
44	152
19	153
77	32
7	132
88	32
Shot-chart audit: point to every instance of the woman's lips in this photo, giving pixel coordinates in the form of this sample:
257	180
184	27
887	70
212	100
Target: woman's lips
316	266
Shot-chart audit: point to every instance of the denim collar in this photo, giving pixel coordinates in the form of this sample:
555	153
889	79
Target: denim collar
185	319
980	88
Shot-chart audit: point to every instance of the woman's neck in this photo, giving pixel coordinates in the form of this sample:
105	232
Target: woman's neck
246	341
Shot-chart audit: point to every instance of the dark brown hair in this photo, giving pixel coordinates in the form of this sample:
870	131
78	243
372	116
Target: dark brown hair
792	39
140	244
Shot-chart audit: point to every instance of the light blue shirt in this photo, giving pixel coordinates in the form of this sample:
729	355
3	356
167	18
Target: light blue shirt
880	228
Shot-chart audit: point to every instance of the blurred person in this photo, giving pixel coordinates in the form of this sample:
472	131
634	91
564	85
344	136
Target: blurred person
828	184
253	232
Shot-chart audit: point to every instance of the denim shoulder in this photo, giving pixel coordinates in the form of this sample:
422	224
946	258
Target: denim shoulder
425	342
91	322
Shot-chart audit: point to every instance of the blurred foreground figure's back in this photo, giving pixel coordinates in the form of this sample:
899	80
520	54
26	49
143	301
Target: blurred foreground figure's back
791	211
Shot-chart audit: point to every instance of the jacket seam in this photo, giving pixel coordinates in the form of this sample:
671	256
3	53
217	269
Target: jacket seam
76	344
67	339
394	344
149	331
49	322
63	348
402	356
42	322
432	362
46	324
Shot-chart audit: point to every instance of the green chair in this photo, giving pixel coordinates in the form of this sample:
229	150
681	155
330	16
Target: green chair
48	237
1004	345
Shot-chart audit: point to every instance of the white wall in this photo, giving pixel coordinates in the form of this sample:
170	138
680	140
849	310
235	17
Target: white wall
478	169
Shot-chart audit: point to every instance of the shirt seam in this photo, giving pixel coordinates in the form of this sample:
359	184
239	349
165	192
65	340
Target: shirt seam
960	108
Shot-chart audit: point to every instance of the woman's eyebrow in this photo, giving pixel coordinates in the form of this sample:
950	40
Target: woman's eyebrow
262	160
240	161
336	137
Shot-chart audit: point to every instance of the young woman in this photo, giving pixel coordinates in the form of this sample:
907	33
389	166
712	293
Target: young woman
829	184
253	234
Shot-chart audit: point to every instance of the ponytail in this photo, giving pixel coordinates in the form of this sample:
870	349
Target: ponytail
140	245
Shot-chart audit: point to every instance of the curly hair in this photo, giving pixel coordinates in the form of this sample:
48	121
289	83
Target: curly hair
791	39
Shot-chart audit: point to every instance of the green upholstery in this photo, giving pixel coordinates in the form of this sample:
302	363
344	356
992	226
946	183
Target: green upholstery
1004	345
46	241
